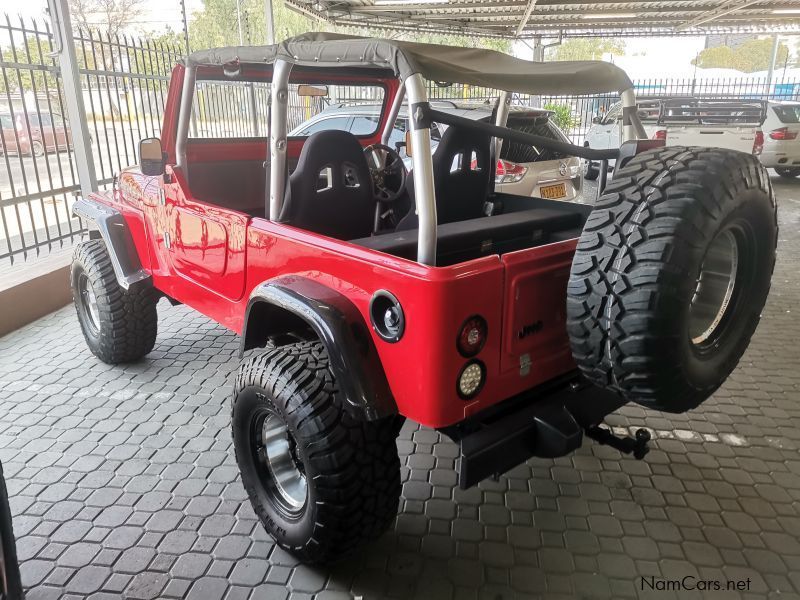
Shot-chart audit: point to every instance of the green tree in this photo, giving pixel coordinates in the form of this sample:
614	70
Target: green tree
585	49
562	115
751	56
33	51
217	24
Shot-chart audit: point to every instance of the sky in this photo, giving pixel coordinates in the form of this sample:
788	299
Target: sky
663	55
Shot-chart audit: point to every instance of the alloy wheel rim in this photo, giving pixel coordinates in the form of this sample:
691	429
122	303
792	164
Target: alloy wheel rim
714	289
89	301
277	453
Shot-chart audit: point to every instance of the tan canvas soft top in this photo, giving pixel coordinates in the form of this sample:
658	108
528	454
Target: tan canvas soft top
474	66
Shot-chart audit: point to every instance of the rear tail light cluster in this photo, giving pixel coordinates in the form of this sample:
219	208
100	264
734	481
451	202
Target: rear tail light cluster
509	172
661	134
782	134
470	380
758	143
472	336
471	339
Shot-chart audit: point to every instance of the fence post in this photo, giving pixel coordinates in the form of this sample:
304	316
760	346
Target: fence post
70	76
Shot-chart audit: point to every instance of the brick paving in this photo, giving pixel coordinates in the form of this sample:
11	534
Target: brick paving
123	483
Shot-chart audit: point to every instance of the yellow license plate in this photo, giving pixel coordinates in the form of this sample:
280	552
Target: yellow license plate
553	192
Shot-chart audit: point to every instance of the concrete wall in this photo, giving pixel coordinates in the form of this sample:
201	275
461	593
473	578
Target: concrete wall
29	292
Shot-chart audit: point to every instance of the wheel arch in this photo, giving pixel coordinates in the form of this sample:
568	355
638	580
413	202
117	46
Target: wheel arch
113	230
284	304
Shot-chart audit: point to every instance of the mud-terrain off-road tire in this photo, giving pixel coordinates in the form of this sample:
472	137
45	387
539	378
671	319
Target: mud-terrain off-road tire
340	475
788	172
671	273
10	582
119	325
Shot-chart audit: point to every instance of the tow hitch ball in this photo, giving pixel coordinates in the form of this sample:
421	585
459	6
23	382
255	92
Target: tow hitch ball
636	445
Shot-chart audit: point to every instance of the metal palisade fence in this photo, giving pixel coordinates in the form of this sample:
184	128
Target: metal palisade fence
124	84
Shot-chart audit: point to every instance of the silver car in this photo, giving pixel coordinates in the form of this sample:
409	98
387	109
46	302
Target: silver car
521	169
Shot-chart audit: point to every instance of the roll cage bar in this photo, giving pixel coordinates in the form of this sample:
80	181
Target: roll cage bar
421	115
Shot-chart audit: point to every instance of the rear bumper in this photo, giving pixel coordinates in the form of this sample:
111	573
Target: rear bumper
547	421
780	158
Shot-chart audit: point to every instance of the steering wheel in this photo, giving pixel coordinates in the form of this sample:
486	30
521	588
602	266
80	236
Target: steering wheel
388	172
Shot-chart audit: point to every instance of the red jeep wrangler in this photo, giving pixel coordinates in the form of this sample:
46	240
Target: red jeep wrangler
368	292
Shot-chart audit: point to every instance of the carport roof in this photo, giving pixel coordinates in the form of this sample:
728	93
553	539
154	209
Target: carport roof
572	18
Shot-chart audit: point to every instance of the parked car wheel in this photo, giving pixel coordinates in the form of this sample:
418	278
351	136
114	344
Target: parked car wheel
321	481
591	170
10	582
119	325
788	173
671	274
37	148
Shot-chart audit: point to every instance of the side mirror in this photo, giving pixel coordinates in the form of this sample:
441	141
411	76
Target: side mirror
409	150
151	157
596	120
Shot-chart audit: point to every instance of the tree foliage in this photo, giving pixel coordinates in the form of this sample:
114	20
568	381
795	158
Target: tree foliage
586	49
751	56
109	17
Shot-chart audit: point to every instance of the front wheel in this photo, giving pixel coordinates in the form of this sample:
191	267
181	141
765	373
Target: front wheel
788	173
119	325
321	481
590	170
37	148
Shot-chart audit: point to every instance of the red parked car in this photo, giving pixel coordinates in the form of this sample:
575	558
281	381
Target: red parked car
366	294
38	133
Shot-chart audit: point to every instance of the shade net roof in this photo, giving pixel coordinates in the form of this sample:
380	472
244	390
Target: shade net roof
486	68
529	18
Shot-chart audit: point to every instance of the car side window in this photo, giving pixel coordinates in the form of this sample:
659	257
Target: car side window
364	125
230	109
325	124
612	115
6	122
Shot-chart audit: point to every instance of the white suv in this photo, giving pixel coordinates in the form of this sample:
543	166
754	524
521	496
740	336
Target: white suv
781	138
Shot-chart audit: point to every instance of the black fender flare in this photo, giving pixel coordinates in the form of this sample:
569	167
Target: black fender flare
278	305
113	230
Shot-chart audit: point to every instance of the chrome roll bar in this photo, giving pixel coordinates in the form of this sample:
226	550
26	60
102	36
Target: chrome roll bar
393	112
277	137
185	117
421	157
632	128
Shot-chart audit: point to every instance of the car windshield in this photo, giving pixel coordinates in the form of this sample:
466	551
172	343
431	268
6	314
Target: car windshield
788	113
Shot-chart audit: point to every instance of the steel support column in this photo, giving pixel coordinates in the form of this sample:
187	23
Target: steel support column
64	49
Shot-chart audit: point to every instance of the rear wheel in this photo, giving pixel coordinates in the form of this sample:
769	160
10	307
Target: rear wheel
671	273
788	173
10	582
321	481
37	148
119	325
591	170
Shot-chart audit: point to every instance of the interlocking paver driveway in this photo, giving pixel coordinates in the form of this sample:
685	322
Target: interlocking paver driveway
123	483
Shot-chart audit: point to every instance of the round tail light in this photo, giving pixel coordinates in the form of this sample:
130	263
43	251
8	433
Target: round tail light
470	379
472	336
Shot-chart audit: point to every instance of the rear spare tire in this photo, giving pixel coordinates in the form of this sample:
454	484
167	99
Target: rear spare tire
671	273
321	480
